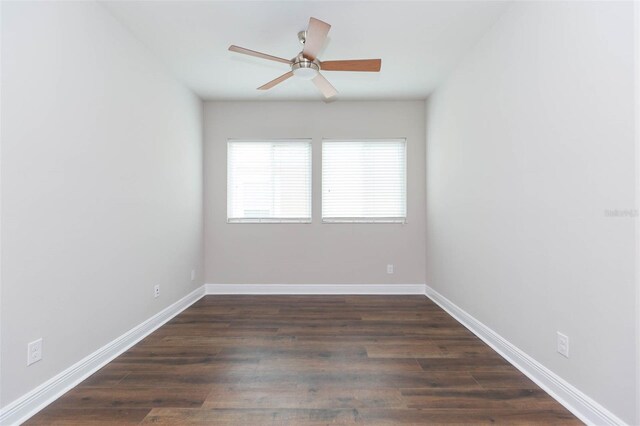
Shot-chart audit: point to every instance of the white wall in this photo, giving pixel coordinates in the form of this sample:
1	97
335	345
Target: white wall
313	253
530	141
102	186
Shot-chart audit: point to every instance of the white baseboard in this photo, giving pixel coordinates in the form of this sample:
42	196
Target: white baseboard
29	404
327	289
582	406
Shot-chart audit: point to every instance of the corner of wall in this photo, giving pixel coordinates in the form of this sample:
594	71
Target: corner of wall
1	3
637	195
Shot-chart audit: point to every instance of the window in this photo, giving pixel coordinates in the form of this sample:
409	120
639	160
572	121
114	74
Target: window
364	181
269	181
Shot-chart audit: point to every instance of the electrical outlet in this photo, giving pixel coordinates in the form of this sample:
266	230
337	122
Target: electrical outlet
389	269
156	291
563	345
193	274
34	351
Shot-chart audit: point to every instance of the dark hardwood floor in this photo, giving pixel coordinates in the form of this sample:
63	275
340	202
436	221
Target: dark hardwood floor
302	360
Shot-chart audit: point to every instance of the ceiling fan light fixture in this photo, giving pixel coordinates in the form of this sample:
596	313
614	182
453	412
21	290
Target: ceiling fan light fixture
306	70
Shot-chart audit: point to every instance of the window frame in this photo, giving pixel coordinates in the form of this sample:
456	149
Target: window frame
365	220
235	220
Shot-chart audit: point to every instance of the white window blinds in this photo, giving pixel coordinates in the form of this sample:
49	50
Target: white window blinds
364	181
269	181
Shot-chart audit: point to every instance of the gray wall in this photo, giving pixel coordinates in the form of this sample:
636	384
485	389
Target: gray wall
101	186
530	142
313	253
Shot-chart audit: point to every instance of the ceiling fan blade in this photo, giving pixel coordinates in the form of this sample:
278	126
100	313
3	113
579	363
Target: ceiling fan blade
249	52
361	65
278	80
315	38
325	87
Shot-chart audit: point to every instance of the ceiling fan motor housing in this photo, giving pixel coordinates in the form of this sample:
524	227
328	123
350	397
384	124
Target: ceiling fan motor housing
302	37
304	68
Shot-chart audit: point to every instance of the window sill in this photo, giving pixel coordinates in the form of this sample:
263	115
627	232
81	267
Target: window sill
266	220
370	220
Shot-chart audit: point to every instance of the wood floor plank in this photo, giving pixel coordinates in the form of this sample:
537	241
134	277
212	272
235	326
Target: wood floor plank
477	399
308	351
307	417
403	350
303	397
491	363
106	377
327	365
150	351
89	417
365	379
191	397
308	360
366	329
464	417
508	378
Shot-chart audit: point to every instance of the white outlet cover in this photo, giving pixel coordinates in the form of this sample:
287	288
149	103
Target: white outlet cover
156	291
563	345
34	351
389	269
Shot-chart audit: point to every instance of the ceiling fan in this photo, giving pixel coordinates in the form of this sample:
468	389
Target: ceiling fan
306	65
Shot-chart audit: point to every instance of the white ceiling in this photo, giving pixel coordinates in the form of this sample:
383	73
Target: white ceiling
418	41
